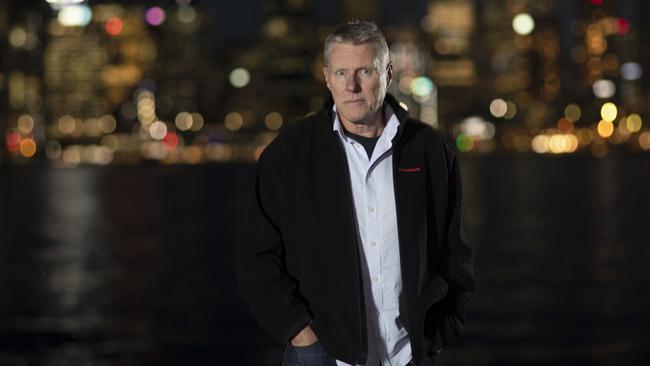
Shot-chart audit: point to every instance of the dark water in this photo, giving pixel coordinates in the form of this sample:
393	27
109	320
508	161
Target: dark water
134	265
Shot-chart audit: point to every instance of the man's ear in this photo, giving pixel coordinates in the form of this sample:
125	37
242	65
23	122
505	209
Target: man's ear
325	73
389	74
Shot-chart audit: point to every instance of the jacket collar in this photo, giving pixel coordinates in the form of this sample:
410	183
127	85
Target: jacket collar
400	112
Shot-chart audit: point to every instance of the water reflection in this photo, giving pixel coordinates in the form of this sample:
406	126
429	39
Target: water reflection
134	265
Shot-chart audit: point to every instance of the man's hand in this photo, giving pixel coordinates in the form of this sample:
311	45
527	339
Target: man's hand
305	338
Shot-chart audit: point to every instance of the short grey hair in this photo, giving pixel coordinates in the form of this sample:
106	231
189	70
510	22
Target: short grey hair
359	32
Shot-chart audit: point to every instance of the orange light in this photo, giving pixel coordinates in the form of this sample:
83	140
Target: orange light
114	26
27	147
565	125
605	128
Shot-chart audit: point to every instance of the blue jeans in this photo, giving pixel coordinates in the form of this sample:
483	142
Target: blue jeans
312	355
315	355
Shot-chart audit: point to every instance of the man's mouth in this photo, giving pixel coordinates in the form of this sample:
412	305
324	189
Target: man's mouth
356	101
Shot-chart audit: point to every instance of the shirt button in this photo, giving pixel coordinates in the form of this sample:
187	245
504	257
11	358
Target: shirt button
372	243
371	209
375	278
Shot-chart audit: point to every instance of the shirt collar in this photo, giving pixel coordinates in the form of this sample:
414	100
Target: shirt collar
387	135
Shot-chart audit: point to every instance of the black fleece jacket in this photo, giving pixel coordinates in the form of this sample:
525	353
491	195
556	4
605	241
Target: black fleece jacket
297	251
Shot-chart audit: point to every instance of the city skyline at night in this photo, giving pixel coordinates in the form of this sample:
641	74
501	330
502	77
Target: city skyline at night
116	82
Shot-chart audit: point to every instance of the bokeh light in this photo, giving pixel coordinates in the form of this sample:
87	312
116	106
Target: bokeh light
12	139
154	16
186	14
17	37
608	112
422	87
644	140
565	125
183	121
171	140
622	26
25	124
605	128
75	15
464	142
197	121
604	88
273	121
633	122
158	130
27	147
234	121
114	26
523	24
71	156
107	124
511	110
498	107
631	71
239	77
67	124
572	112
540	144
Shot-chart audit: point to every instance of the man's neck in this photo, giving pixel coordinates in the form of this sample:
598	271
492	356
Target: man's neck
373	128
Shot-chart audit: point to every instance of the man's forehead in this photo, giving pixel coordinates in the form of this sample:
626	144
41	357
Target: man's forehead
345	52
353	47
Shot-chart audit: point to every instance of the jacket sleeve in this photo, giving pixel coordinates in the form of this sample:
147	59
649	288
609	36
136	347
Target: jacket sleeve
458	268
270	291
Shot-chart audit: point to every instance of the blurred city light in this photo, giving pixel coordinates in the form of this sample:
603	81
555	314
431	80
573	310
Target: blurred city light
186	14
273	121
107	124
114	26
197	122
25	124
158	130
498	107
604	88
183	121
64	2
119	75
154	16
17	37
13	139
464	143
75	15
644	140
572	112
234	121
634	122
421	87
605	128
239	77
523	24
631	71
608	112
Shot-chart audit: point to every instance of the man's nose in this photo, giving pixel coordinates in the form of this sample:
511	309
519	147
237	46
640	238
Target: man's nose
352	84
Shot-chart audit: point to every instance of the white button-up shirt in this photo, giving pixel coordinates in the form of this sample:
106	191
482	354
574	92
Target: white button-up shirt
374	203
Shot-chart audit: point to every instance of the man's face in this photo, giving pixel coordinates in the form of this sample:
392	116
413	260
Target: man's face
356	82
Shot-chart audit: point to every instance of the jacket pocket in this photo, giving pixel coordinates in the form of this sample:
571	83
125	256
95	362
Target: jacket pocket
435	291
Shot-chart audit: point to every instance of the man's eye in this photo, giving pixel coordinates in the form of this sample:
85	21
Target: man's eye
340	73
364	71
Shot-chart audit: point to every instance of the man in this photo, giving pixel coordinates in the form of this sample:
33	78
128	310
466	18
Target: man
355	250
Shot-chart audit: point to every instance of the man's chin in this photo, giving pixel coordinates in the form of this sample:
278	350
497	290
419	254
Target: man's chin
356	118
358	121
